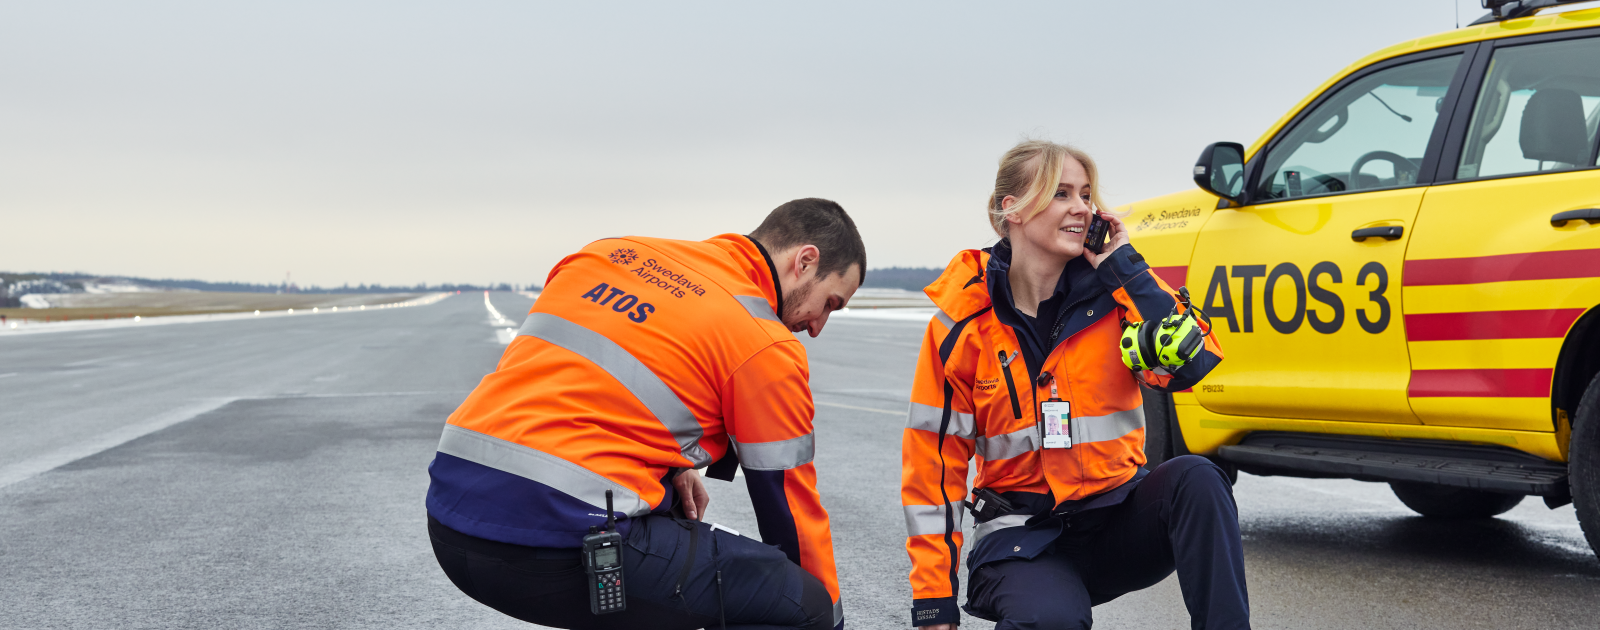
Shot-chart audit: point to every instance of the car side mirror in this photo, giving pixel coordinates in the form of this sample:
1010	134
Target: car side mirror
1220	171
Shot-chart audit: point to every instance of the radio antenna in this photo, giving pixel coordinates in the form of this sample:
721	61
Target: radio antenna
611	517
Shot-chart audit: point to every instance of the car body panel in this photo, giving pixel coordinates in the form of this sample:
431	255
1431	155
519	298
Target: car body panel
1482	290
1314	315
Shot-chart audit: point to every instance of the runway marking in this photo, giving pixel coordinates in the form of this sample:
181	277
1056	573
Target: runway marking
499	320
29	468
829	404
33	467
356	395
89	362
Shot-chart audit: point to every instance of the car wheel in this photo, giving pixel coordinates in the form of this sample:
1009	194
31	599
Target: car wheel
1158	423
1583	457
1436	501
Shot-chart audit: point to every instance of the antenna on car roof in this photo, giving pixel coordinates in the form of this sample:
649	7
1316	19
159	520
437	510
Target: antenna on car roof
1500	10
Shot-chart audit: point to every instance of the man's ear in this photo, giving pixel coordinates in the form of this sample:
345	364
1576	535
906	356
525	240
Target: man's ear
805	259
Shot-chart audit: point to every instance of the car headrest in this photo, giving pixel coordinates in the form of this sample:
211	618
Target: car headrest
1553	129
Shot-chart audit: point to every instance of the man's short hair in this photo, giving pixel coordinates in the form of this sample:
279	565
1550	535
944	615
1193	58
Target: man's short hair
816	222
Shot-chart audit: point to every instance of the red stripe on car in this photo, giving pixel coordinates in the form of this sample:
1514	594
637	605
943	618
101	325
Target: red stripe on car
1530	324
1173	276
1575	263
1529	383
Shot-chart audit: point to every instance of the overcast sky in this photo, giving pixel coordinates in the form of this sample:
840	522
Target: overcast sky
402	142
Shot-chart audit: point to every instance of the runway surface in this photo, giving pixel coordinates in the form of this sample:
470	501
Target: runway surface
270	473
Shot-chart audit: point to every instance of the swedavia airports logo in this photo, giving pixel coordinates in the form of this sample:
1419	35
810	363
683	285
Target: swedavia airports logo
624	256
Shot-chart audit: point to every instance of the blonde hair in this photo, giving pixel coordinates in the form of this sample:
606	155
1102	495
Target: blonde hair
1031	171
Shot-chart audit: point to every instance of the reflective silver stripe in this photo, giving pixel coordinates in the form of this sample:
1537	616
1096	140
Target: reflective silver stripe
1007	446
996	524
780	455
758	307
571	479
838	612
927	418
1108	427
929	519
945	319
628	370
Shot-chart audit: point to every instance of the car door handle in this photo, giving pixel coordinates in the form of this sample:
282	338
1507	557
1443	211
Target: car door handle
1591	215
1387	232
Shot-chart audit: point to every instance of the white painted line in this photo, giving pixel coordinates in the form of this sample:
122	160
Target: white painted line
100	324
29	468
829	404
893	314
494	315
424	392
8	374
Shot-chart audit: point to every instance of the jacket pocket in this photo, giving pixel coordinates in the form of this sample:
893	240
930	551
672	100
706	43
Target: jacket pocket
1011	384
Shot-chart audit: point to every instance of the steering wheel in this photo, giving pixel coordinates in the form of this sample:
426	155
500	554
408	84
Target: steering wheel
1401	165
1329	183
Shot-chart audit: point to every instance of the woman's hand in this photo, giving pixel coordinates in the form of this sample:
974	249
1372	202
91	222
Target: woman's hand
693	491
1117	237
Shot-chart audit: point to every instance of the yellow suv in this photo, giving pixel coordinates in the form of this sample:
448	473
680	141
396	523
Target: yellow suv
1405	271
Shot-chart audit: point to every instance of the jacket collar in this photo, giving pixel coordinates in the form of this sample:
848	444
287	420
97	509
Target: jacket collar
772	271
1077	281
757	265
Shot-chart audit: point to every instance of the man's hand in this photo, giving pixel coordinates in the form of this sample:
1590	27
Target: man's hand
693	491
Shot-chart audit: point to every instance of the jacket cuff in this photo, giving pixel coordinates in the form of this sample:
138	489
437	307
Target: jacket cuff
1126	269
934	610
1122	265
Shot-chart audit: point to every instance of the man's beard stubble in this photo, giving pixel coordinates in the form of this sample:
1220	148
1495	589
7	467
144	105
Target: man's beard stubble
792	302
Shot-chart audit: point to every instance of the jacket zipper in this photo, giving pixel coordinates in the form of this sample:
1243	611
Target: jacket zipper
1011	385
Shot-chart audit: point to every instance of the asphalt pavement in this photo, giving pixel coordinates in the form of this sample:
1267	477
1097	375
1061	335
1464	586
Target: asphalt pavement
270	474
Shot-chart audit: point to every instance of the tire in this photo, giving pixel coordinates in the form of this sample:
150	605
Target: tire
1228	468
1158	442
1162	439
1436	501
1583	457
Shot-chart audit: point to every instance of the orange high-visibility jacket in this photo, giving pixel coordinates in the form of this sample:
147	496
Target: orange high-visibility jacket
641	356
974	396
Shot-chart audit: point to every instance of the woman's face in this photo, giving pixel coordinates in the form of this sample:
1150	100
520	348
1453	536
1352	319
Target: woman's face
1059	228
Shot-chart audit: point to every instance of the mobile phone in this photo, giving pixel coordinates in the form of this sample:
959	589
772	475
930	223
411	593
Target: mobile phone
1094	238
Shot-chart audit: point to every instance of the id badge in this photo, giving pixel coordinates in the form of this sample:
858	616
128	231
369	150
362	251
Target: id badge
1057	417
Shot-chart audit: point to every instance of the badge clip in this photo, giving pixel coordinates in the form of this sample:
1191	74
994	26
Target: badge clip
1055	418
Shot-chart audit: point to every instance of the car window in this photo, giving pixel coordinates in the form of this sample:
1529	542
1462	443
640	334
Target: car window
1537	110
1370	134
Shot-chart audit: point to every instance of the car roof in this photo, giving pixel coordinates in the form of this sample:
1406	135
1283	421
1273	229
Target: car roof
1549	22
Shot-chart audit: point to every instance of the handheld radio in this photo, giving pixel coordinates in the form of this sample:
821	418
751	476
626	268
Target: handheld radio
602	560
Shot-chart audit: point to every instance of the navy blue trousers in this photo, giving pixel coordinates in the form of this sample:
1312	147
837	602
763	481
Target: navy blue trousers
1181	516
670	568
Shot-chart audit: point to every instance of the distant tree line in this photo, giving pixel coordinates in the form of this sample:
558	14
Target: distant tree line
908	278
15	285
